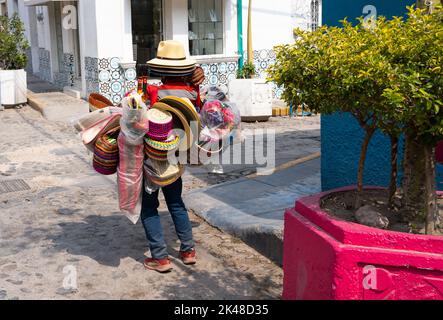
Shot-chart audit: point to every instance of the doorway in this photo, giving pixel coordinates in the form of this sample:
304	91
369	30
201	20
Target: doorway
147	30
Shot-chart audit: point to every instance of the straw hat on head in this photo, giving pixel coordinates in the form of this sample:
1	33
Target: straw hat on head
171	53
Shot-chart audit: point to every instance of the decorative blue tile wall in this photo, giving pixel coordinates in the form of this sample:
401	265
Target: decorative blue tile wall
44	60
65	78
91	75
68	69
106	76
219	73
263	59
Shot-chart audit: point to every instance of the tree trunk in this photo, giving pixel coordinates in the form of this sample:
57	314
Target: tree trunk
413	180
249	41
432	214
394	170
361	165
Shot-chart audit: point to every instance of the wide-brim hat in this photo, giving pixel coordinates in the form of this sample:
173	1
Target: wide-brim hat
190	69
186	107
180	122
152	153
162	173
169	145
167	182
173	68
165	73
171	53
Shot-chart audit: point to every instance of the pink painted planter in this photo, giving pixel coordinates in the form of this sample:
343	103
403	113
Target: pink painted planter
330	259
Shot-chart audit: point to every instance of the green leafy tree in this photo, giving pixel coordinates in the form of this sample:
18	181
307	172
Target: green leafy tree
13	44
336	69
388	75
415	48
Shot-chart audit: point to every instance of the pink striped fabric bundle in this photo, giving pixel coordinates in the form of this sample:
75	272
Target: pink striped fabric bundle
130	177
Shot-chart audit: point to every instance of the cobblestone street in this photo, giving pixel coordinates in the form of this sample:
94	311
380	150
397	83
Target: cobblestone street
68	221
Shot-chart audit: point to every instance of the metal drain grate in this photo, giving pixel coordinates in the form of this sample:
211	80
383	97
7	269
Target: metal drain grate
13	186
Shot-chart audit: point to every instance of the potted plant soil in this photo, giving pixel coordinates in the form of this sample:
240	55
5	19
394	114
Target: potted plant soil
368	242
13	59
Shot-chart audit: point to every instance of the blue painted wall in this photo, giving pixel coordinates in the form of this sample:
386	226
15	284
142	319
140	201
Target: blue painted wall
341	134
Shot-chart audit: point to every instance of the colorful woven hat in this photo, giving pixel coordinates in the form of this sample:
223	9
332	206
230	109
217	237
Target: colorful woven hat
168	145
179	122
152	153
106	155
160	124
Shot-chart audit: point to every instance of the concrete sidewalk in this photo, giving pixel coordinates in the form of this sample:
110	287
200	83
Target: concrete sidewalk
253	208
53	104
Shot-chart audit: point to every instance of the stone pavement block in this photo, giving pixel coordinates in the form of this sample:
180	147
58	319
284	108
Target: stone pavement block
239	190
289	177
277	214
71	218
253	209
264	235
57	106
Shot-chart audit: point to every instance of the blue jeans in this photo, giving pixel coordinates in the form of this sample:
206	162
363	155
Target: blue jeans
153	227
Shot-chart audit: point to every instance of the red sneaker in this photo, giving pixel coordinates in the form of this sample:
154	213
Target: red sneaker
188	257
159	265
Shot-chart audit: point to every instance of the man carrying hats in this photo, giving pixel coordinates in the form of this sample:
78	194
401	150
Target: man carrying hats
181	78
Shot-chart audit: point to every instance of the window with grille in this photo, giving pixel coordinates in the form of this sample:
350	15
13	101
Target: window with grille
315	14
205	27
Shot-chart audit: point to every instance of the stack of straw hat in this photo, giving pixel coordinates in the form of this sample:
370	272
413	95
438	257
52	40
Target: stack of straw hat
160	139
171	60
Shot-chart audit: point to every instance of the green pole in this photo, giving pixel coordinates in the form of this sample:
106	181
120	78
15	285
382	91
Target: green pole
240	32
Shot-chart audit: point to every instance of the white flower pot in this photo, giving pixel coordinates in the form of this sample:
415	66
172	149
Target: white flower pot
13	88
253	97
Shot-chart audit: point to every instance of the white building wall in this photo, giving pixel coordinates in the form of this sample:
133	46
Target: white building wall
114	36
105	37
12	6
231	39
176	21
271	23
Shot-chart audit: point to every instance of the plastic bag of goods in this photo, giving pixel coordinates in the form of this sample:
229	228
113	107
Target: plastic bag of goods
87	120
159	174
130	177
134	122
219	119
